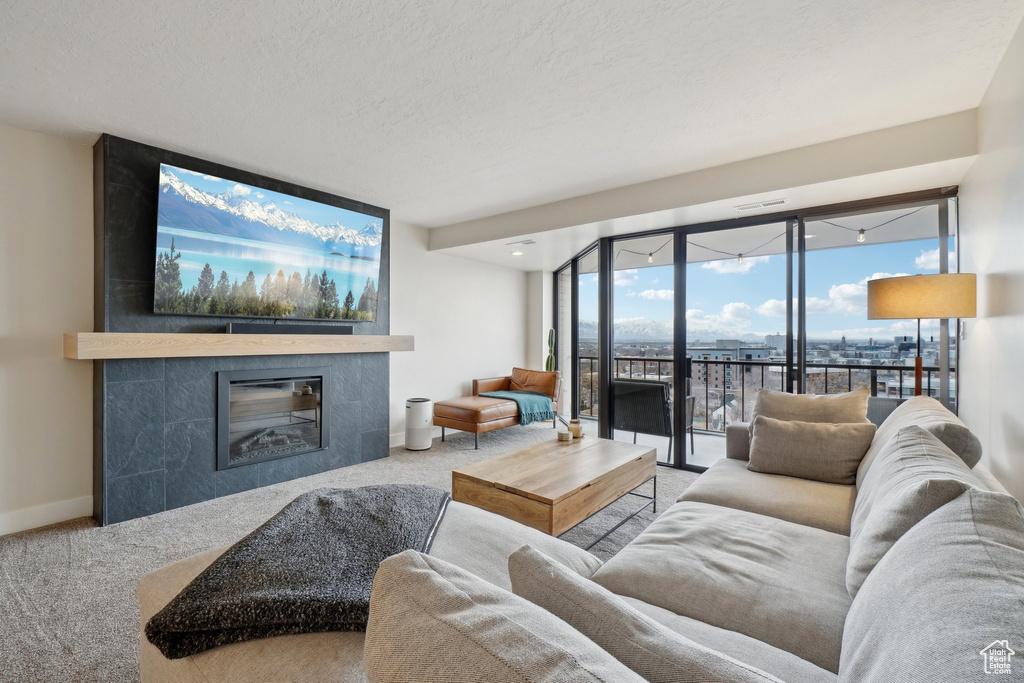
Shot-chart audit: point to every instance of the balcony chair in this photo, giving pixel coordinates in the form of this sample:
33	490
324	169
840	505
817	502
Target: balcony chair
644	407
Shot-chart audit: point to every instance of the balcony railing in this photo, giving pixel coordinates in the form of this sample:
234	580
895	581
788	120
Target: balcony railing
725	388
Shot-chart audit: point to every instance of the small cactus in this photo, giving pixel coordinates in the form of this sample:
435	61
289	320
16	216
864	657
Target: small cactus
550	364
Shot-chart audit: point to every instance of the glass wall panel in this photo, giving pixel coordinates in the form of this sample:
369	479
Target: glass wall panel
587	376
563	361
642	333
735	327
845	349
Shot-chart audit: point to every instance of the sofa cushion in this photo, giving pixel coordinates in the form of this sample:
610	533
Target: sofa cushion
773	580
534	380
813	503
949	588
430	620
779	663
928	413
480	542
851	406
645	646
809	450
913	476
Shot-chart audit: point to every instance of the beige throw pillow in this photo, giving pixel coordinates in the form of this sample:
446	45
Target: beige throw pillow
809	450
832	408
914	475
432	621
650	649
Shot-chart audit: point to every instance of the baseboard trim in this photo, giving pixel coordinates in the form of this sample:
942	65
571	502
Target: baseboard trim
42	515
399	438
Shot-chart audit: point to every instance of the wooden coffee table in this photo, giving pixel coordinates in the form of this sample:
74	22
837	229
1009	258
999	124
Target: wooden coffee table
553	486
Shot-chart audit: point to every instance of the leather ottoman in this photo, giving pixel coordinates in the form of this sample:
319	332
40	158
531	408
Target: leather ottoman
476	414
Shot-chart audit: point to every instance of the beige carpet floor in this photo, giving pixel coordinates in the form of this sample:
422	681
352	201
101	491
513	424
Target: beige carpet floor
67	592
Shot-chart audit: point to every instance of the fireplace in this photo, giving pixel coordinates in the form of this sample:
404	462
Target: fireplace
269	414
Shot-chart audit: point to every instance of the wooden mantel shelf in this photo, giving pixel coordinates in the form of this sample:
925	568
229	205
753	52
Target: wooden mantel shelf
108	345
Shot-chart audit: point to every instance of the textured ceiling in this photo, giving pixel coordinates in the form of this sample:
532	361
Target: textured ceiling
450	111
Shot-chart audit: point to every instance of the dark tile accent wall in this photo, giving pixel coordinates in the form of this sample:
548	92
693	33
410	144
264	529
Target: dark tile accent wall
155	423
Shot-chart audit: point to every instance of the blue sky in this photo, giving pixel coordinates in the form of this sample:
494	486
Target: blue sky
323	214
749	297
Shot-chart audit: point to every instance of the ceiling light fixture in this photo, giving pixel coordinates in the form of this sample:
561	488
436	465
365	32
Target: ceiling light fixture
861	236
650	257
517	253
740	256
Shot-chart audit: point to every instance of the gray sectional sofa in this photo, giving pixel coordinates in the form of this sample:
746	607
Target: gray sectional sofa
907	574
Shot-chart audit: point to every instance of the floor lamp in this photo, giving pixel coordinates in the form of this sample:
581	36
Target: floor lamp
949	295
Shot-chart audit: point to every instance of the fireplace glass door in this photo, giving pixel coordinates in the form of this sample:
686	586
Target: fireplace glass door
264	415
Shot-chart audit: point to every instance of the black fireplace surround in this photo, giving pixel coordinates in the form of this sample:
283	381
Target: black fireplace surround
155	420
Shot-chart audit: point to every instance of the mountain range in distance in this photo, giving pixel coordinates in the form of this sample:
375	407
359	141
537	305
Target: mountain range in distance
189	208
643	330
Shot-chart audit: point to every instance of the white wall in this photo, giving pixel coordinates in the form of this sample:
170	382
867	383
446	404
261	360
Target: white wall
539	304
992	244
468	319
46	265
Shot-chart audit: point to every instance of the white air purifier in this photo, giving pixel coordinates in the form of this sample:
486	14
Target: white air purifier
419	424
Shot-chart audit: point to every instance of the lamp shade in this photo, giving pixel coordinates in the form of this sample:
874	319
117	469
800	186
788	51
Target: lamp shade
949	295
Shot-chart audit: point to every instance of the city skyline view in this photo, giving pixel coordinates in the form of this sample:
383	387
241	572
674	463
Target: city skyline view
746	300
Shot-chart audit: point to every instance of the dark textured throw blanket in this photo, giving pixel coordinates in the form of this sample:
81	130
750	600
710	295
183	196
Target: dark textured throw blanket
533	406
308	569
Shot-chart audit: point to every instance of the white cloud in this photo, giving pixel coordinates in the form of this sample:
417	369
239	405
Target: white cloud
734	315
929	260
849	298
211	177
260	196
654	281
773	308
735	266
658	294
241	190
852	298
625	277
776	308
287	202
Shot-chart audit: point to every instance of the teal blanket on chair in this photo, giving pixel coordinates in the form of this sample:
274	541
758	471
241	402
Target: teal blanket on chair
533	407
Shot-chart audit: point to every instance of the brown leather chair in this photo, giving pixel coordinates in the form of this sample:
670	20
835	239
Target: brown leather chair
480	414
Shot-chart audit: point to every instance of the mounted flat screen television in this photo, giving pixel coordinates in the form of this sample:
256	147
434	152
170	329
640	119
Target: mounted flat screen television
230	249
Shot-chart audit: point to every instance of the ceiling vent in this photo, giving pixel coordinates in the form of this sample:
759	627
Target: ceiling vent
520	242
766	204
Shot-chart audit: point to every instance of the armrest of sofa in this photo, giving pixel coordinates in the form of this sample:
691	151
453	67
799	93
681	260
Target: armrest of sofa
737	441
491	384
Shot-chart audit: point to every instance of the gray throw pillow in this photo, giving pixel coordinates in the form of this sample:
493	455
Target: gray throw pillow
914	475
650	649
809	450
851	406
